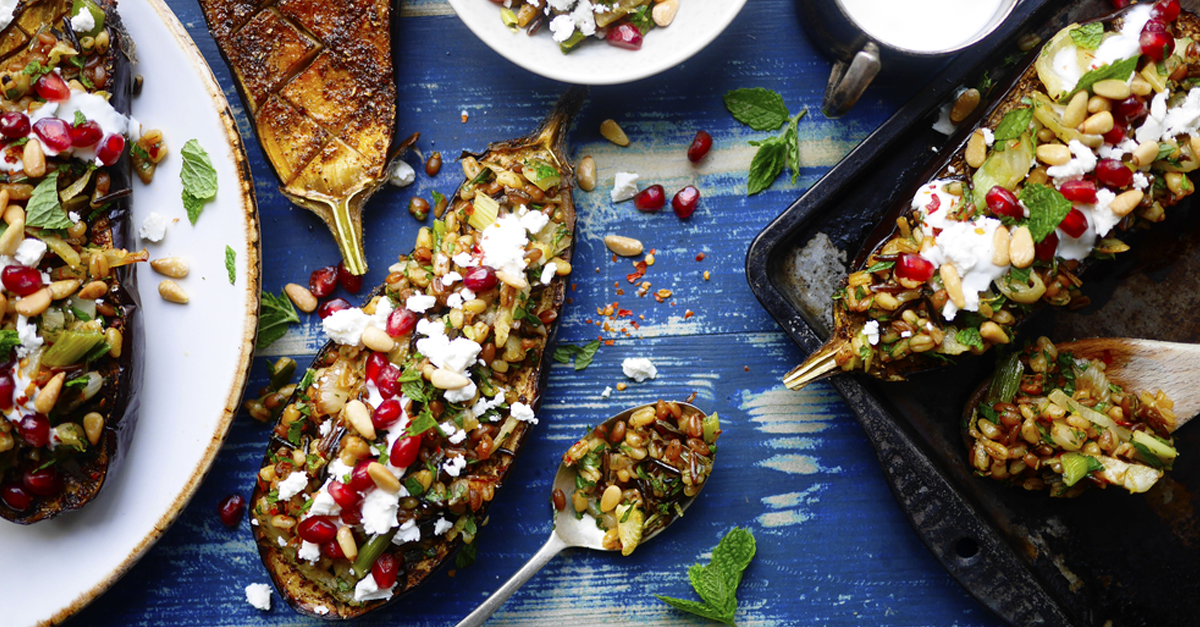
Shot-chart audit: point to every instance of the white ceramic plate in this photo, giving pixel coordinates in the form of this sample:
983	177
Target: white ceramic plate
595	62
197	355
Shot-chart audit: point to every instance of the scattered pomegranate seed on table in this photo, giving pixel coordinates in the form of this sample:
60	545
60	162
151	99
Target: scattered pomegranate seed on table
350	282
650	199
700	147
323	281
230	510
329	307
685	201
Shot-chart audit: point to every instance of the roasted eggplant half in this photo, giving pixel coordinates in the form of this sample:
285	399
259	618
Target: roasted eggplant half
71	340
316	77
1096	135
386	458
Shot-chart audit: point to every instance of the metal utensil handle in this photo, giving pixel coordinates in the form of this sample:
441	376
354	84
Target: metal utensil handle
552	547
848	81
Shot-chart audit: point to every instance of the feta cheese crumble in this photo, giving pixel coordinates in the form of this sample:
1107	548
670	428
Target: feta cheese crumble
293	485
420	303
624	186
639	369
871	331
83	22
368	590
401	174
259	595
523	412
154	227
441	526
346	326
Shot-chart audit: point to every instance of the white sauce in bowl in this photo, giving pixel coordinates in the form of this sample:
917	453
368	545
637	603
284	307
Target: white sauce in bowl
925	25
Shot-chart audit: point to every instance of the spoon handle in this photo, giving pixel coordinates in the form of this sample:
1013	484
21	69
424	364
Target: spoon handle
552	547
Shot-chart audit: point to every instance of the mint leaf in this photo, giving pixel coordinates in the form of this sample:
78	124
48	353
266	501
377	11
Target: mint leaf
1047	208
422	423
275	314
584	357
1088	36
768	162
81	119
1164	150
193	206
1120	70
230	267
791	138
9	340
642	19
733	555
970	337
1014	123
198	174
760	109
709	583
564	353
699	609
43	209
881	265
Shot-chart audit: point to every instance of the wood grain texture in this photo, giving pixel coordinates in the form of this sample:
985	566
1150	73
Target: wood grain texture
833	548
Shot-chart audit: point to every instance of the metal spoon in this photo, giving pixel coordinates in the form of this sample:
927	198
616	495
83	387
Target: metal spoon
568	532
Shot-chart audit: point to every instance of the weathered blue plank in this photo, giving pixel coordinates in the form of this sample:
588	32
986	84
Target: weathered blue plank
795	467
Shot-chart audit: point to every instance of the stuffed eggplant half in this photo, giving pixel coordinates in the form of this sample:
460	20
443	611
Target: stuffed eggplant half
1097	134
70	340
386	458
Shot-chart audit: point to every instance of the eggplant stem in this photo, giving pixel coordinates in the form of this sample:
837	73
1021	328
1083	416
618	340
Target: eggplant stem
820	365
347	237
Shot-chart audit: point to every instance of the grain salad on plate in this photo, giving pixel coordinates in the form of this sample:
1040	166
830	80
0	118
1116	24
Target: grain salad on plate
621	23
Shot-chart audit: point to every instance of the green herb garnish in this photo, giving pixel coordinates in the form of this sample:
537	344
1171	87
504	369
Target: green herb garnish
199	179
1088	36
717	582
1015	123
1047	208
275	314
230	264
760	109
43	209
583	354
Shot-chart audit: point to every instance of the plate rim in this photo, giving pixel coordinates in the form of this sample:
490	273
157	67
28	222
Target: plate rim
249	206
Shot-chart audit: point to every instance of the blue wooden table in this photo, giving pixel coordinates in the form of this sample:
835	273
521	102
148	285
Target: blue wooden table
833	547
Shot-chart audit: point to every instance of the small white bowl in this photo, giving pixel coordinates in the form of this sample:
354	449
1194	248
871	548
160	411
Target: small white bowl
595	62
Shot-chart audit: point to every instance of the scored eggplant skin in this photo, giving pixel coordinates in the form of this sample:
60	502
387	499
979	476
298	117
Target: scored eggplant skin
119	399
316	77
525	384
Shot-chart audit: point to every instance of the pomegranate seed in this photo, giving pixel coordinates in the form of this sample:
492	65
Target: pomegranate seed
650	199
110	149
16	497
624	35
54	133
700	146
350	282
1165	10
389	381
343	495
384	569
1081	190
1002	202
322	281
1156	42
7	387
1075	224
230	510
404	452
1044	250
359	479
333	550
35	429
386	414
401	322
352	515
914	267
1130	109
480	279
86	134
1113	173
42	482
685	201
52	87
329	307
21	280
317	530
14	125
376	362
1116	135
1119	4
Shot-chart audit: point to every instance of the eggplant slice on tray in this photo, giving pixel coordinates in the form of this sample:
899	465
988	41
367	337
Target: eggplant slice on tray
390	451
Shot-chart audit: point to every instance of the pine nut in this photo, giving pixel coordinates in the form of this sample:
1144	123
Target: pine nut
345	540
1111	88
1140	86
174	267
171	292
93	426
562	267
301	297
664	12
1020	248
93	290
585	174
475	306
1097	104
443	379
953	285
623	246
48	396
14	217
98	265
115	339
1046	135
613	133
378	340
359	417
34	304
283	521
6	442
976	152
1098	123
1076	110
33	159
1179	184
992	332
64	288
1054	154
1194	142
610	499
1000	246
921	343
383	478
1145	154
1126	202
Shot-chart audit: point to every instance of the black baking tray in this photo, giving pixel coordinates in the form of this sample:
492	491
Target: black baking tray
1107	558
